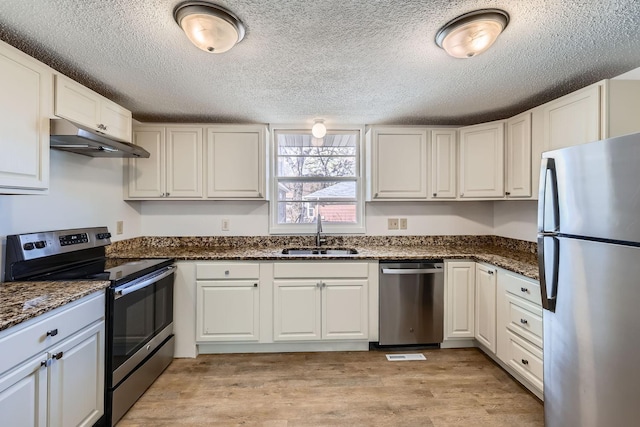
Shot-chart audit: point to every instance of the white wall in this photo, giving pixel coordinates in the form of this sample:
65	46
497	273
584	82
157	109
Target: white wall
84	191
204	218
516	219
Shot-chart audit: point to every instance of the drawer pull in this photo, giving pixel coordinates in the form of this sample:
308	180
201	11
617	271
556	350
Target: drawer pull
524	289
524	321
52	332
58	356
524	361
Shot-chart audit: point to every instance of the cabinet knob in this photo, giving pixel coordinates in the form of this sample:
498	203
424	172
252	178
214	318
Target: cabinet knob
461	194
524	321
507	193
45	363
255	285
435	194
524	361
167	194
52	332
524	289
58	356
491	272
162	194
226	272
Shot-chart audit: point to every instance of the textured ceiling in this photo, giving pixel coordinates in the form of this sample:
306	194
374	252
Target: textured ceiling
355	62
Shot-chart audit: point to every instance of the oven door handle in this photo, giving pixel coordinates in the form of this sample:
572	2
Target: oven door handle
143	282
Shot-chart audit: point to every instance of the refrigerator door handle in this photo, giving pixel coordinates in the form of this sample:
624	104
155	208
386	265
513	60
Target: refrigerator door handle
548	168
548	282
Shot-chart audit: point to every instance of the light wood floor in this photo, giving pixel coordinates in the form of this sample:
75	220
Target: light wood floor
461	387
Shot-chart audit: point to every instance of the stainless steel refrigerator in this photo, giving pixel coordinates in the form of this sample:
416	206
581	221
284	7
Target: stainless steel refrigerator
589	255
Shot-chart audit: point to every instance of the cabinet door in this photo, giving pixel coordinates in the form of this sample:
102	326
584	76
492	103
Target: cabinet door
235	164
399	168
518	165
296	310
482	161
228	310
147	176
443	164
76	385
460	306
76	103
184	162
485	322
23	394
116	120
573	119
345	312
24	141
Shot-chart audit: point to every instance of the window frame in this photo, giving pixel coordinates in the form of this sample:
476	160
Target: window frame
310	228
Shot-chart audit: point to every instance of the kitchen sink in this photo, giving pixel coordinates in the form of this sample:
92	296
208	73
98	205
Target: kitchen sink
319	251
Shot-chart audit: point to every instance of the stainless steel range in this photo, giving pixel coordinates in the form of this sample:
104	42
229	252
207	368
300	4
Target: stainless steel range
139	309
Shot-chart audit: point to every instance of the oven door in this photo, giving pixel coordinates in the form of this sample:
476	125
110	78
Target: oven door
142	319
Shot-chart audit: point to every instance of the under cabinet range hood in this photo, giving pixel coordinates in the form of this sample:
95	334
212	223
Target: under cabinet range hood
75	138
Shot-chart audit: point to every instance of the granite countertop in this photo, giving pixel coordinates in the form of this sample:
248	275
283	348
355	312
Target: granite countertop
511	258
21	301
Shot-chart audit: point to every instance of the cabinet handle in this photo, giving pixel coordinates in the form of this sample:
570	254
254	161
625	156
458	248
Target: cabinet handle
524	361
58	356
52	332
524	321
524	289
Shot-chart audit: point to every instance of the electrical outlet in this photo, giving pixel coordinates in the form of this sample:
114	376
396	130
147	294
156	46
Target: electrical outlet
403	223
119	227
225	224
392	223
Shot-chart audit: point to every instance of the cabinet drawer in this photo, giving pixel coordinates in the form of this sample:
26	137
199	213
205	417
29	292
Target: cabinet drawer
528	289
40	333
241	270
525	319
320	270
526	359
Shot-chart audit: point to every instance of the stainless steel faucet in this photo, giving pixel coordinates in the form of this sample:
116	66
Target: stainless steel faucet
319	239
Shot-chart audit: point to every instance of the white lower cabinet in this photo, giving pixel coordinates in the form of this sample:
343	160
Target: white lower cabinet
460	300
61	381
320	301
485	331
228	302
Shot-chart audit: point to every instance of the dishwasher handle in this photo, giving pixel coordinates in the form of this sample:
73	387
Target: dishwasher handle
411	270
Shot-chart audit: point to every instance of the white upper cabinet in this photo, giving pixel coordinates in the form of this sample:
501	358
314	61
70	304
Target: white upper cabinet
482	161
443	164
573	119
85	107
605	109
518	161
397	161
174	169
25	85
236	162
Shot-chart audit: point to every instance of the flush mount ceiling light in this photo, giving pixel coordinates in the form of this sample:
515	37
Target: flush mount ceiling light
209	27
472	33
319	130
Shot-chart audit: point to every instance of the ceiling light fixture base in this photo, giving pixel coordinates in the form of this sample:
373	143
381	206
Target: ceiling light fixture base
472	33
208	26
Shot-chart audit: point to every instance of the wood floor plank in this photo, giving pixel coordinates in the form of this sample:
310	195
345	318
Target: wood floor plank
453	387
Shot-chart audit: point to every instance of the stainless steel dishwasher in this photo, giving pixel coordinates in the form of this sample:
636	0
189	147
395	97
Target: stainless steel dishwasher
411	302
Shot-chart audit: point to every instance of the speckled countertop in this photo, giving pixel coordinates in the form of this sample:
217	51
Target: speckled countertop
514	255
21	301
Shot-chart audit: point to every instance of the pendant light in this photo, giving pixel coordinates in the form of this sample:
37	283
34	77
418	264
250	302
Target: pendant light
472	33
208	26
318	130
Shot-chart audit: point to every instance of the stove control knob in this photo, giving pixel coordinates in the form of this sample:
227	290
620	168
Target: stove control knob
101	236
41	244
28	246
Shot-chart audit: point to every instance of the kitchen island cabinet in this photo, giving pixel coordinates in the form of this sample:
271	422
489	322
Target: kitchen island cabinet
26	89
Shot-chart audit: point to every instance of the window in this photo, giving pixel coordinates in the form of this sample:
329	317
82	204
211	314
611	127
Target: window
316	177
